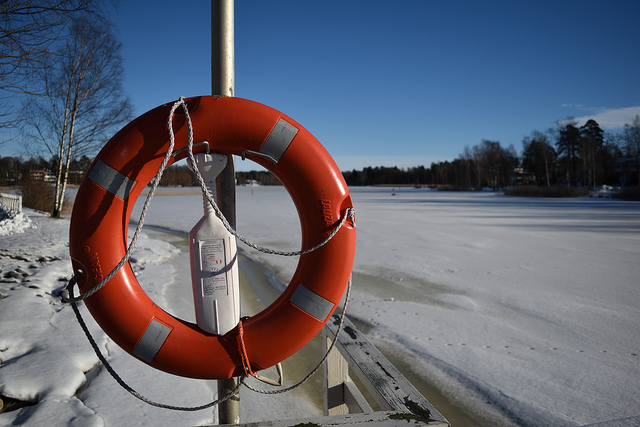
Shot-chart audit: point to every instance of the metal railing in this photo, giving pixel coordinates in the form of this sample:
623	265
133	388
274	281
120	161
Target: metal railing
11	202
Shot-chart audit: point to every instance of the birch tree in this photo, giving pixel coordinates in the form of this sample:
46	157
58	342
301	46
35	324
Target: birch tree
539	156
82	100
631	137
29	32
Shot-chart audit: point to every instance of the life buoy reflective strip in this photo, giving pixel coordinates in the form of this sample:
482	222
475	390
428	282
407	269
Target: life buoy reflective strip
122	169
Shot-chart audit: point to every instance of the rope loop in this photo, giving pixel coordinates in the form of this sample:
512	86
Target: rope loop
67	293
154	184
246	365
119	379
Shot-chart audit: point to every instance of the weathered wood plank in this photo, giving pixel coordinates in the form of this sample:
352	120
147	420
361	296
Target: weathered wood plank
391	390
354	399
375	419
336	375
402	404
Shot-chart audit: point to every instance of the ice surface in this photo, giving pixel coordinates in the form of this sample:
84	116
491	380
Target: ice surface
525	310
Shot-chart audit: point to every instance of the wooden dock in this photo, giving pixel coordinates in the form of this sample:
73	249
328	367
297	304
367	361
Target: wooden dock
354	369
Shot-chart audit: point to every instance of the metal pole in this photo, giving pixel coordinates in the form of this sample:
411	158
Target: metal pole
222	83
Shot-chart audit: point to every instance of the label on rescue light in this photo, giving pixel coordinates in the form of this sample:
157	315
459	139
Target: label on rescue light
212	266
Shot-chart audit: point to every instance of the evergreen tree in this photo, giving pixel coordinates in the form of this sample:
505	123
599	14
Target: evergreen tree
592	140
568	147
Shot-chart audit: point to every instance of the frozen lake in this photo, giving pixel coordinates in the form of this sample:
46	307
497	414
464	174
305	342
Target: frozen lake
524	309
521	311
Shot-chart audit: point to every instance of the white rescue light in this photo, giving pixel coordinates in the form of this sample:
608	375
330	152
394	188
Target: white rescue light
214	259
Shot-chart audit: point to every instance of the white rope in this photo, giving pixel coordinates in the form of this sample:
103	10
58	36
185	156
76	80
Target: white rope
119	379
349	214
154	184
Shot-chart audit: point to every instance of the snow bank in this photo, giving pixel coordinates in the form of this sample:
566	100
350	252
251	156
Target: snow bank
47	363
12	222
46	357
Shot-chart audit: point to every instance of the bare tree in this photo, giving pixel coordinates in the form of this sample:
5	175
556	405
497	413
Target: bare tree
538	156
82	99
29	32
490	157
631	138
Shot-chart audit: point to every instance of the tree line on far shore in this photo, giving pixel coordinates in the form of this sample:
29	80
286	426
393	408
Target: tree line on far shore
566	155
565	161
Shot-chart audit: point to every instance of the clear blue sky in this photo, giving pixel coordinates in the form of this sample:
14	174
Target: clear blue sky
399	83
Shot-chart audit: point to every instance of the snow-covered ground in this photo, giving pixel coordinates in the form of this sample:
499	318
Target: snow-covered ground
524	311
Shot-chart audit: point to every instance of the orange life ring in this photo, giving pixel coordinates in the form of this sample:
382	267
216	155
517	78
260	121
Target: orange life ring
122	169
